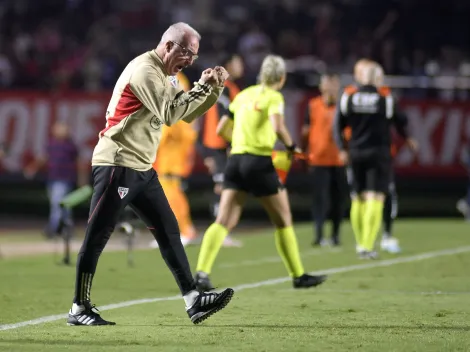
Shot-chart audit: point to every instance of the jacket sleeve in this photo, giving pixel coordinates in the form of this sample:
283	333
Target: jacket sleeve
168	103
339	123
398	117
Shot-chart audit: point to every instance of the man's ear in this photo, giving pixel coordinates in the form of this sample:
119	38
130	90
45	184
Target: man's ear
168	46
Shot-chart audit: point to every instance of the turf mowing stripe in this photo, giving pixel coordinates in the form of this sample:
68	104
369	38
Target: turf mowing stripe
278	259
370	265
400	292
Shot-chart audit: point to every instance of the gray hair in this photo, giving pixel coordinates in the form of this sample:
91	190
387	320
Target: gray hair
272	70
177	31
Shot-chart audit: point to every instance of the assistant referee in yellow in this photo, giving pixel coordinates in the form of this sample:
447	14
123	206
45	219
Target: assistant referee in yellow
254	122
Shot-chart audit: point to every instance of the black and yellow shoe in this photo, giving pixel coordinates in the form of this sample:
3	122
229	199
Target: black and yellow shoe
307	281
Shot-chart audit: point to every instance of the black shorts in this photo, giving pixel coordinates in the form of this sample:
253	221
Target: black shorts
253	174
370	174
391	182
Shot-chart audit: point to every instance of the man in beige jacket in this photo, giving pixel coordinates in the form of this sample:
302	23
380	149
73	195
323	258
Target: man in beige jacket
144	99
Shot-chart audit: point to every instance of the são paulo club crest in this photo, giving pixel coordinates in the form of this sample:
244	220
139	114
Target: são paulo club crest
174	81
122	191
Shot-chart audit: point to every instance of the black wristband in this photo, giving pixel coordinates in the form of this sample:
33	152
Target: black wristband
292	147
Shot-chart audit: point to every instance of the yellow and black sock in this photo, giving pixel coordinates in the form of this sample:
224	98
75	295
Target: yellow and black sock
356	216
373	213
211	243
286	244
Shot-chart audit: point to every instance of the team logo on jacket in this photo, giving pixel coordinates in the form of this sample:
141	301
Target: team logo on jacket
155	123
122	191
173	80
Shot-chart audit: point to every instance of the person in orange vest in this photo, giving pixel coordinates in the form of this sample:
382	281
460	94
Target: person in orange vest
173	164
215	147
327	171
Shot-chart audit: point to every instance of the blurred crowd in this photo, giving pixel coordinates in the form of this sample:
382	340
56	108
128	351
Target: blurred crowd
84	44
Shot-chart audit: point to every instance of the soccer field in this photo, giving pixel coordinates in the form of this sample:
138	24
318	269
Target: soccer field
416	301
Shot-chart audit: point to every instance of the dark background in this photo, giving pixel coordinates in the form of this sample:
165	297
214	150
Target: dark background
52	46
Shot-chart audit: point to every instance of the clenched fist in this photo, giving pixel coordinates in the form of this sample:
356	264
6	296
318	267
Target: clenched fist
209	76
214	76
222	74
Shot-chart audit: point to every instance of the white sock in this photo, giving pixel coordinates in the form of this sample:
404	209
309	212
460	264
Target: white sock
190	297
77	308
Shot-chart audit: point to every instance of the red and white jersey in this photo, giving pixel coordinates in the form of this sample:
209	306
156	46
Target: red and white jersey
144	99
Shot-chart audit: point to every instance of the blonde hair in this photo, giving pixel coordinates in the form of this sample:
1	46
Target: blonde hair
273	69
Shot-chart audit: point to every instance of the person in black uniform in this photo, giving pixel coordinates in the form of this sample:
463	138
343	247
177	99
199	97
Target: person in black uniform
370	114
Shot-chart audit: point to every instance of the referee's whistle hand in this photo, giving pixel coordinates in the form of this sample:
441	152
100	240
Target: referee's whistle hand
298	151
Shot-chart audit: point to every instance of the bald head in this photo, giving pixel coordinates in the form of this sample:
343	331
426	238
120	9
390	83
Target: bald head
368	72
359	68
178	32
178	47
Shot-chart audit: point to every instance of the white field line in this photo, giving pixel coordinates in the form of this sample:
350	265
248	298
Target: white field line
343	269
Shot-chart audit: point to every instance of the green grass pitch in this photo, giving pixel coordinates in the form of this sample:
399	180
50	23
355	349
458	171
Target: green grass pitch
409	302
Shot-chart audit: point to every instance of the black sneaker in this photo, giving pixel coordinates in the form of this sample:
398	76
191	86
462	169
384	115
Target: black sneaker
202	282
208	303
335	241
306	281
317	242
88	316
